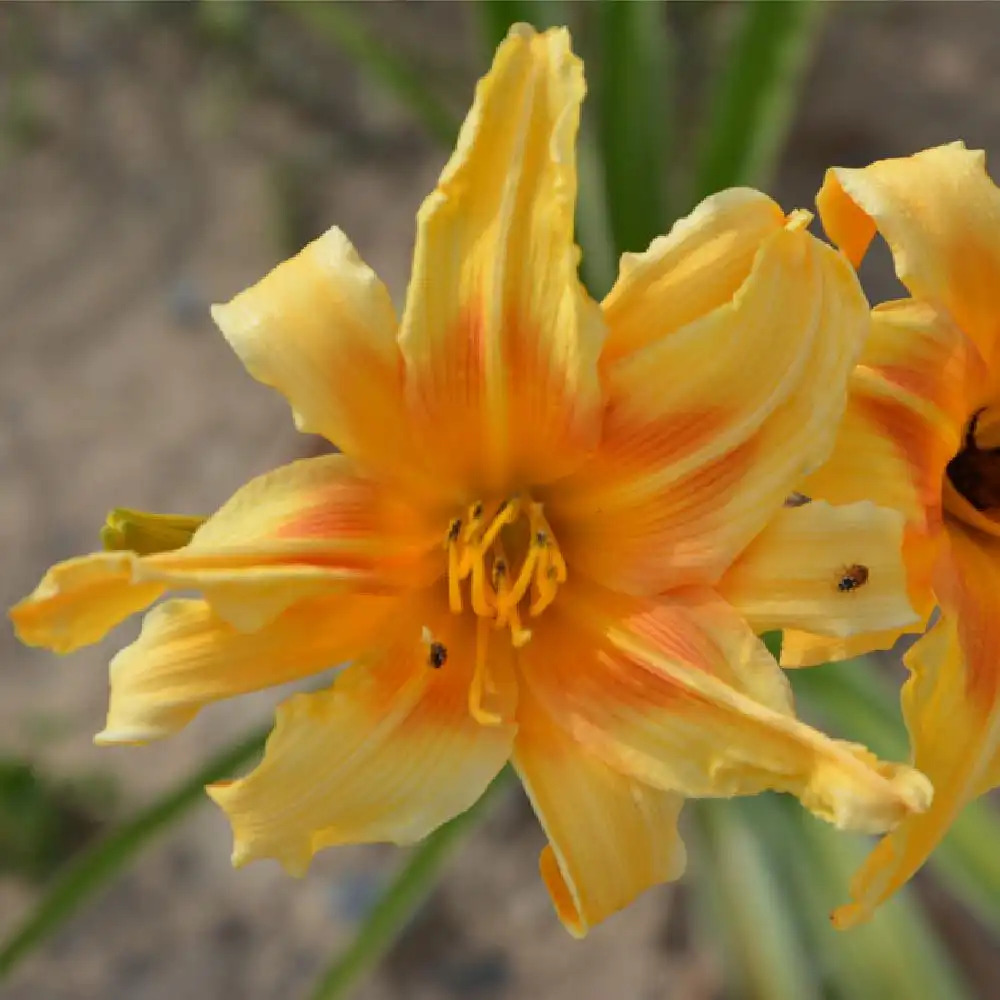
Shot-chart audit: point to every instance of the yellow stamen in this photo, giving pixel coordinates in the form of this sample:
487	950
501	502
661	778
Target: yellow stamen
476	549
523	581
454	579
481	594
481	687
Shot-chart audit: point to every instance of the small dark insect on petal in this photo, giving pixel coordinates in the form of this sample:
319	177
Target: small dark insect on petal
853	576
437	655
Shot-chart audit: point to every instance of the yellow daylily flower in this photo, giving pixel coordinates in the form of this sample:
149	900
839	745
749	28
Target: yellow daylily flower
920	435
547	522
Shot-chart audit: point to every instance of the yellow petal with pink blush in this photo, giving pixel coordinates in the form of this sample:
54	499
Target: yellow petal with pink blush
610	837
710	427
836	571
940	213
299	531
389	753
321	329
951	704
187	656
499	338
647	686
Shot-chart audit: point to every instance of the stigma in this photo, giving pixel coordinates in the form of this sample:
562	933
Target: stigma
503	561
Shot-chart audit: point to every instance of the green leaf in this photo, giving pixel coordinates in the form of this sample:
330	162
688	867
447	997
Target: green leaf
752	924
496	17
407	891
757	93
895	954
336	22
101	863
858	701
635	118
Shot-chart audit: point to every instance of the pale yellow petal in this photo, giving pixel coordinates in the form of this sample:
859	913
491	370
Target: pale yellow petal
836	571
940	214
697	267
644	685
187	656
951	705
388	753
321	329
610	837
499	338
710	428
308	528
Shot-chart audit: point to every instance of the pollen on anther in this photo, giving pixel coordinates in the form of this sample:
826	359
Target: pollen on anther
437	655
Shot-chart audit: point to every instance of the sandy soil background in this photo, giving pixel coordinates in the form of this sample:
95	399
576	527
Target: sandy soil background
152	174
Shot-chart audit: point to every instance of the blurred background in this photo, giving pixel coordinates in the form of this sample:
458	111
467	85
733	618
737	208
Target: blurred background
155	158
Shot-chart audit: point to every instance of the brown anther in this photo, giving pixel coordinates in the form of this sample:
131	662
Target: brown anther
541	538
477	511
437	655
454	529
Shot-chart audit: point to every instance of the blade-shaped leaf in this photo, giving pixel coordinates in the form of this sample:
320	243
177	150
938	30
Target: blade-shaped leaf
757	93
101	863
410	887
635	103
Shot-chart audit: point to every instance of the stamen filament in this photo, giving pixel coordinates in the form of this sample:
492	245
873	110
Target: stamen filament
481	602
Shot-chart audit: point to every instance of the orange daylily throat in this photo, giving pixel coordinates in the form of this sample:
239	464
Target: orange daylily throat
508	553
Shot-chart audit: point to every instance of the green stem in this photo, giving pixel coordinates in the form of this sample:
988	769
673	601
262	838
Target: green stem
94	868
407	891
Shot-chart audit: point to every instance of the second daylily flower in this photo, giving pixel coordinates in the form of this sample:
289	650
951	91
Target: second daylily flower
545	537
921	434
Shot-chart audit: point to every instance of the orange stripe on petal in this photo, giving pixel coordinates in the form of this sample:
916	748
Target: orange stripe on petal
310	527
711	427
718	726
499	338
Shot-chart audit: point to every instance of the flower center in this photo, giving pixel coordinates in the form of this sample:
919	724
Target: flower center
509	556
975	471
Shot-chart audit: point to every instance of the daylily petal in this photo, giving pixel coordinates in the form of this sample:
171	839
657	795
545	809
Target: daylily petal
388	753
697	267
951	704
831	570
187	656
610	837
321	329
310	527
918	382
649	687
499	338
940	213
710	428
